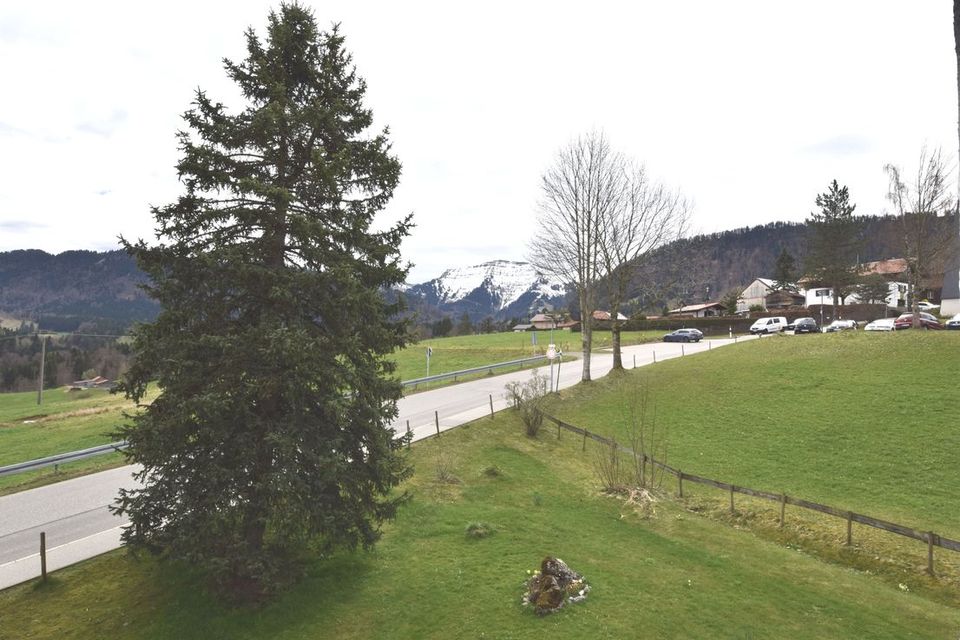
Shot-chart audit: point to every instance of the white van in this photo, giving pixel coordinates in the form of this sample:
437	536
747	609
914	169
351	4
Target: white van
768	325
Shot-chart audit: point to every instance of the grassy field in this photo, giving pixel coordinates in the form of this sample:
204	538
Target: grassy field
464	352
859	421
670	574
65	421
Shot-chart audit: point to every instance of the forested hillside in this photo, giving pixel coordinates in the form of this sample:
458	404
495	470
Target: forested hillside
72	289
706	266
88	290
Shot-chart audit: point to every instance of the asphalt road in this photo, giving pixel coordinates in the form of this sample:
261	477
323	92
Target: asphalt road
78	524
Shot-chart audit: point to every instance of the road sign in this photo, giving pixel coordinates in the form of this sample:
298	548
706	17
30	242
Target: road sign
551	351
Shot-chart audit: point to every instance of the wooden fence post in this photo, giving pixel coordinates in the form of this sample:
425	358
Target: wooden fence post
783	507
732	511
654	356
43	555
584	439
681	350
849	528
558	430
680	482
930	537
634	361
436	418
491	405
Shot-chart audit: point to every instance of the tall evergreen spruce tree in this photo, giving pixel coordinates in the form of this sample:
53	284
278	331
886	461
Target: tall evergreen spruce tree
834	242
271	432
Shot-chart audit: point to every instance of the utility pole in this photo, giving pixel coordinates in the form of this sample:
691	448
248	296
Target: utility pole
43	359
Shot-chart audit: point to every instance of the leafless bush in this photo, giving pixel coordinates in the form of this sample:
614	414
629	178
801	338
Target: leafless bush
609	468
527	398
647	439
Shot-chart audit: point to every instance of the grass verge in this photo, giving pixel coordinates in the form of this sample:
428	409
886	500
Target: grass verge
672	573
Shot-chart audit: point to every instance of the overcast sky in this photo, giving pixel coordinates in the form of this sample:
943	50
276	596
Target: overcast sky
751	108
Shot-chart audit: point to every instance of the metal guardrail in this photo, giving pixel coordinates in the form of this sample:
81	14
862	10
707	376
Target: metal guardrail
62	458
71	456
465	372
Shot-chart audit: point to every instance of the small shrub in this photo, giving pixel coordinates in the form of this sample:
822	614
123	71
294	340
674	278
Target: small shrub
493	471
528	397
537	500
479	530
608	468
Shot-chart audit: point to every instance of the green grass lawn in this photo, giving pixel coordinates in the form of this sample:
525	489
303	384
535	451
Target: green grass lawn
465	352
65	421
859	421
672	574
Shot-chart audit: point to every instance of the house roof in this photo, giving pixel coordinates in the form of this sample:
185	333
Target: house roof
693	308
541	317
893	266
605	315
786	292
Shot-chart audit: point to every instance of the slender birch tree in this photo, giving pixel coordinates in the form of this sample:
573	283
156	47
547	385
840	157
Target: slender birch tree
920	204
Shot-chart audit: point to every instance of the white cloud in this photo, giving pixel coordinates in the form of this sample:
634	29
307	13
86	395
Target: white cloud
750	107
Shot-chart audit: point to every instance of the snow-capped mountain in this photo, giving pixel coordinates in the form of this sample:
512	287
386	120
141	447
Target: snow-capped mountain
501	289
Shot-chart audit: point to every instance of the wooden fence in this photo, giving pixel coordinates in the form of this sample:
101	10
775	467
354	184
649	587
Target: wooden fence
929	537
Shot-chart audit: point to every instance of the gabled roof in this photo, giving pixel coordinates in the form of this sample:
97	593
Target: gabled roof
890	267
693	308
605	315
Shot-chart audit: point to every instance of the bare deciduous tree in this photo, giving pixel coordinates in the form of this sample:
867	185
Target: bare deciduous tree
648	215
585	183
920	204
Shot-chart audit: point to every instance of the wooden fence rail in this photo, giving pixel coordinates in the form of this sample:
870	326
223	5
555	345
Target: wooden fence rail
929	537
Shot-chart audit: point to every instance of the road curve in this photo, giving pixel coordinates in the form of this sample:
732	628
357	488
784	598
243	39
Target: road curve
78	524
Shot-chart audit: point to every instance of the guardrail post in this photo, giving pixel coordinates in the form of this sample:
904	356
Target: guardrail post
491	405
930	537
849	528
783	507
43	555
681	350
654	356
634	361
436	418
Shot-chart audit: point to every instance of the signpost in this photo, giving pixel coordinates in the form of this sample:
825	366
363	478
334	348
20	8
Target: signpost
551	354
429	353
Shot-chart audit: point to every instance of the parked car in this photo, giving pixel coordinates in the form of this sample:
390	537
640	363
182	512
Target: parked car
881	324
927	321
926	305
805	325
684	335
840	325
768	325
954	322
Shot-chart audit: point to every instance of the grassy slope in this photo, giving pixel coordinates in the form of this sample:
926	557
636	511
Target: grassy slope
65	421
674	575
866	422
